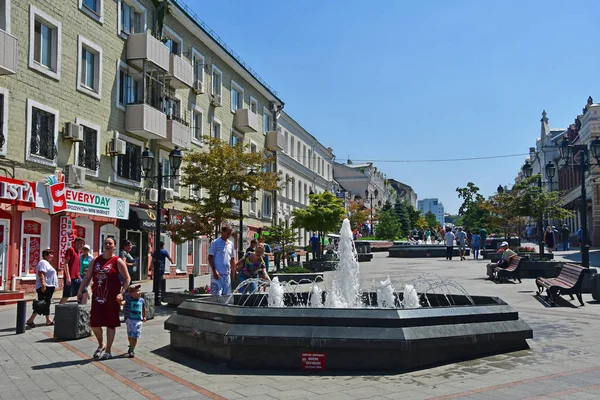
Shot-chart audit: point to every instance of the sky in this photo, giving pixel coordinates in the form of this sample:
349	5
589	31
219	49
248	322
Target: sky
398	80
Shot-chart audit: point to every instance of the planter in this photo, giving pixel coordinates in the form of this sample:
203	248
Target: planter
320	265
495	257
540	269
296	277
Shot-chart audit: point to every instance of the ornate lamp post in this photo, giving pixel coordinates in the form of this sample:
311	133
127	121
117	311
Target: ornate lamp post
175	157
578	156
373	195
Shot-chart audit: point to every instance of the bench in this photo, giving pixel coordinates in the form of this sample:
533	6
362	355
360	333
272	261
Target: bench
512	271
568	281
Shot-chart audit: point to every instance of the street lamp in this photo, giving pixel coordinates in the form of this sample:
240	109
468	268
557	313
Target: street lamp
568	152
241	237
375	193
175	157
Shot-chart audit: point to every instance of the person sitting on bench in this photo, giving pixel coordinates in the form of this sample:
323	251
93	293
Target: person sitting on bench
507	254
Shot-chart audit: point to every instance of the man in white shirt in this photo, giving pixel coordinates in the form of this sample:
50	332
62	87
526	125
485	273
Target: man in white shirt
461	239
221	261
449	238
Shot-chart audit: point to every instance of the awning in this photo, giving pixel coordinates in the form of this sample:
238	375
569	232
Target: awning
141	219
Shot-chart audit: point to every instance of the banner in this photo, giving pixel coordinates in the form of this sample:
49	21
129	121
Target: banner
66	236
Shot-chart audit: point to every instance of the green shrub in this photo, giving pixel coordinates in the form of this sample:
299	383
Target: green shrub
295	270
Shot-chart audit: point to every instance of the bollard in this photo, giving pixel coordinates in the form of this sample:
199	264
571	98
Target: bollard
163	288
191	282
21	316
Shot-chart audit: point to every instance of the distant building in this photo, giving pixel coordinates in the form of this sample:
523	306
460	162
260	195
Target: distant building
404	192
363	180
433	205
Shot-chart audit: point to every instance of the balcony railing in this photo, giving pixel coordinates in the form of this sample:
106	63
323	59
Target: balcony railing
181	72
146	121
178	133
245	120
145	47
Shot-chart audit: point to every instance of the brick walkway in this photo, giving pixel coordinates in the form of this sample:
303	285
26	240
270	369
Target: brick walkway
563	362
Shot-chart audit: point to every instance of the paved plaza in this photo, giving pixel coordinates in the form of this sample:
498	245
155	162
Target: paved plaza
563	361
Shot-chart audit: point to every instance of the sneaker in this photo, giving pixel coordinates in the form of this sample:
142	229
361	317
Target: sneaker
106	356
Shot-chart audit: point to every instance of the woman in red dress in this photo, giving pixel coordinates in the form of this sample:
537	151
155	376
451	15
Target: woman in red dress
107	294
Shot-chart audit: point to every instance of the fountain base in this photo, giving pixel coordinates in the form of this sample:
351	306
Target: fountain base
238	331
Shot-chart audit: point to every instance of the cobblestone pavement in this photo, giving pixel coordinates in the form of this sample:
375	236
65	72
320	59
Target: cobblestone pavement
563	361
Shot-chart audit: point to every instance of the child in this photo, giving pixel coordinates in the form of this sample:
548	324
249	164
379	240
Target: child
135	314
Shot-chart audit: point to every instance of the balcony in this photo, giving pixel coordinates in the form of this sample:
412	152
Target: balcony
146	121
275	141
9	46
178	134
245	120
181	72
143	46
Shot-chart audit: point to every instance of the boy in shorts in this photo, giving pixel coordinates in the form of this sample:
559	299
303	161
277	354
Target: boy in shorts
135	315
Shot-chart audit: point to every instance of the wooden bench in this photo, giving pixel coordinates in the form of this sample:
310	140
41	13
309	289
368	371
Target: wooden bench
512	271
568	281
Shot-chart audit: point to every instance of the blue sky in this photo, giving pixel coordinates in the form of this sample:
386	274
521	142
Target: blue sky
400	80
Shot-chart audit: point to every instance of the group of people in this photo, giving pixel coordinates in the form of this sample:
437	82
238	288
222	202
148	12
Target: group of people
552	237
463	240
110	289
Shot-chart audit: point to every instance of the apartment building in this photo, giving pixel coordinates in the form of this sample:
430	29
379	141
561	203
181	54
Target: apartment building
365	181
85	87
404	192
305	164
433	205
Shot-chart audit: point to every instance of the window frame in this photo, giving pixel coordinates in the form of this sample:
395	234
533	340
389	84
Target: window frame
7	16
196	54
238	135
95	15
33	157
5	93
238	88
36	14
82	43
212	83
198	110
212	125
132	4
116	176
95	127
253	101
169	33
267	117
163	155
265	196
122	66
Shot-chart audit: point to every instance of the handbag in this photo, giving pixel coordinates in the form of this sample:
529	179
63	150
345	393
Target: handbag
40	306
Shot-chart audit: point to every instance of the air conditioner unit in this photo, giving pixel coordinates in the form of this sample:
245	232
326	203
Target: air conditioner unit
168	194
117	147
199	87
151	195
216	100
74	132
74	175
273	107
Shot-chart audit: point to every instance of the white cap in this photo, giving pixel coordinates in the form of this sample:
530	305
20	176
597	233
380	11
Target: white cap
504	244
87	246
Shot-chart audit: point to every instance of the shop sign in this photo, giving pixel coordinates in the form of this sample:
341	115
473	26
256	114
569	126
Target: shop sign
312	361
17	192
66	236
61	198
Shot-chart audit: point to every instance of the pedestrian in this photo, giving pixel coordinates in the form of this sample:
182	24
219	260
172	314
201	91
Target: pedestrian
126	256
427	236
483	235
580	236
252	247
45	283
221	262
449	238
268	251
565	232
71	270
107	295
549	238
277	255
135	315
475	244
252	266
461	241
160	256
314	245
507	255
85	259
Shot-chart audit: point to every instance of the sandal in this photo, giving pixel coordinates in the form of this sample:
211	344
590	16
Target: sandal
50	323
99	352
31	325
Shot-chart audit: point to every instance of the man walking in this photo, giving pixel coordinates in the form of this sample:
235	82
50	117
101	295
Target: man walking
221	262
161	255
71	270
449	238
268	251
314	246
461	240
565	232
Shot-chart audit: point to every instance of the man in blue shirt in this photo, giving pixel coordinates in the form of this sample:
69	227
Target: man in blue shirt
314	245
161	255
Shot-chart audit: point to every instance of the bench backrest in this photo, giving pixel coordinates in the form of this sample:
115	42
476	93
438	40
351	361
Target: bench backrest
514	263
571	273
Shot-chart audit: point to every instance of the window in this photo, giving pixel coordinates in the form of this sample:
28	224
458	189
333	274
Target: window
129	166
267	124
169	182
132	17
5	15
291	146
3	120
93	8
89	73
253	147
174	42
308	162
298	152
88	151
236	138
287	186
267	205
253	105
197	126
172	107
198	62
216	81
216	129
42	133
286	148
253	201
45	43
35	236
236	202
300	192
237	96
195	192
129	86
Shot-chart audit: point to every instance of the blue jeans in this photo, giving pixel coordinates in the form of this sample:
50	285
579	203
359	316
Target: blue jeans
475	251
249	287
566	245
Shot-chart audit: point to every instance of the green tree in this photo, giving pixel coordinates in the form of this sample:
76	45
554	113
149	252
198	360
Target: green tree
472	211
402	216
388	226
162	8
431	220
413	215
283	236
223	174
358	214
323	214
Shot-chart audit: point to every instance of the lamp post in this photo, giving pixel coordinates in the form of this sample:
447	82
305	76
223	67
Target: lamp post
375	193
550	172
241	237
568	152
175	157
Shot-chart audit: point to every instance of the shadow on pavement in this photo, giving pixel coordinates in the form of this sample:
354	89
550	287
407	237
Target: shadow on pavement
560	302
62	364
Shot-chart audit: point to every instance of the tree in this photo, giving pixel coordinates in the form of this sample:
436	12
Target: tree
413	215
223	174
358	214
283	236
431	220
163	8
472	212
402	217
323	214
388	226
450	219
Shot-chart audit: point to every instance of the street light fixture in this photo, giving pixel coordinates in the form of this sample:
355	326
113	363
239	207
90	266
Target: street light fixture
375	193
148	160
568	152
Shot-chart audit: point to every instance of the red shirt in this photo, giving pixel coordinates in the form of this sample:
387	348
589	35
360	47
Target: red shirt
72	257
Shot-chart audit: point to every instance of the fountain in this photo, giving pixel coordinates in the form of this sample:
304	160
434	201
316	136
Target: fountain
427	321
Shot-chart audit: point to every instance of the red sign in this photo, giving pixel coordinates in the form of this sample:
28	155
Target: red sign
312	361
66	236
17	192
